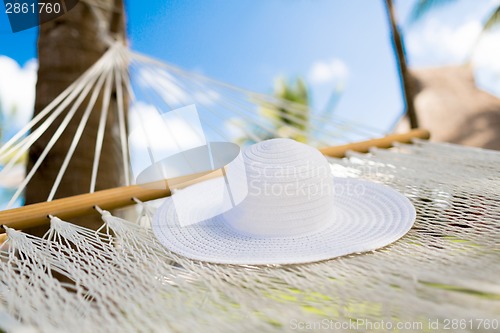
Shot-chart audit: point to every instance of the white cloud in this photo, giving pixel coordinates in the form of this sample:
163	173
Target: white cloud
163	134
173	90
333	70
17	91
454	35
448	34
13	178
207	97
487	51
486	60
437	44
165	85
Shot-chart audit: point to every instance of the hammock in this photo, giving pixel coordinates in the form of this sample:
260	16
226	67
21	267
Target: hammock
120	278
223	109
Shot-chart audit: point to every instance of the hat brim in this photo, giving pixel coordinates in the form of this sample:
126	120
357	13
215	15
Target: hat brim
367	217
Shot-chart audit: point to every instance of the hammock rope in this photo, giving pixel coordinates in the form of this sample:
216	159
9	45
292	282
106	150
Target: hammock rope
249	96
101	130
111	72
65	99
124	280
120	278
57	134
78	134
122	126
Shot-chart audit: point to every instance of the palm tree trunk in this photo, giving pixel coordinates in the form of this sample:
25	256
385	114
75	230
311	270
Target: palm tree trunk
67	47
406	79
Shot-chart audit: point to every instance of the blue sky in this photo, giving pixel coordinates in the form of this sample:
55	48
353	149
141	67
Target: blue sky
331	43
336	45
249	43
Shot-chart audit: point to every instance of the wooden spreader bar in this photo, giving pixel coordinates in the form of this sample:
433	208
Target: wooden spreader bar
83	204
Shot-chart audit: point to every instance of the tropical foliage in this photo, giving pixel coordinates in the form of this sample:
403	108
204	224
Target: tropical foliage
284	114
422	7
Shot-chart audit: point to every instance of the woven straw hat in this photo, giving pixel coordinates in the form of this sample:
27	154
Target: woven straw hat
295	212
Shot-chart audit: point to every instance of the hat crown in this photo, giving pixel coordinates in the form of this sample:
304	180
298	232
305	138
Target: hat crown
290	190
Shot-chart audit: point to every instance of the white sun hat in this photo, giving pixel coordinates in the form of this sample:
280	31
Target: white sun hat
295	212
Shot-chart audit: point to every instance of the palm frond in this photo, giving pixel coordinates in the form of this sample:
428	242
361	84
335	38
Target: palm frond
492	20
422	7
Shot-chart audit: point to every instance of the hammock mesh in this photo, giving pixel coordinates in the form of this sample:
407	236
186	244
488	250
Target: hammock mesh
443	272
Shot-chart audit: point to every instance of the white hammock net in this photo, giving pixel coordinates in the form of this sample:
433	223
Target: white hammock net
121	279
228	113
